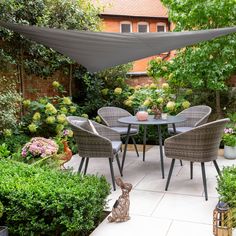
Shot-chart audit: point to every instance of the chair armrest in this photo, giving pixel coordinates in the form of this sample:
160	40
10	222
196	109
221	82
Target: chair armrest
106	132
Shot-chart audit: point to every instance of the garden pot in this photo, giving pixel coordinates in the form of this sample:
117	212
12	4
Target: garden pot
230	152
3	231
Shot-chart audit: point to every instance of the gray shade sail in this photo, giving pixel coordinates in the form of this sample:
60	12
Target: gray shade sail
101	50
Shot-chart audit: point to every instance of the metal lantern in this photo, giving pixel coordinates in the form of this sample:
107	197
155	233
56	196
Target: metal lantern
222	220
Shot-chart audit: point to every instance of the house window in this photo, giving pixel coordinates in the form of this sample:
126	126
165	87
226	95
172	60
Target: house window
125	27
161	27
143	27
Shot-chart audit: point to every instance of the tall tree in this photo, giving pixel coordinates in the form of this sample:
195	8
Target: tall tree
206	66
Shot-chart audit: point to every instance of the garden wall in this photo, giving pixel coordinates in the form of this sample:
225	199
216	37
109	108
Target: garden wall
141	80
232	81
35	87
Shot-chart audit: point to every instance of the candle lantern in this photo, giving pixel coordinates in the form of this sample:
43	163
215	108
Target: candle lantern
222	220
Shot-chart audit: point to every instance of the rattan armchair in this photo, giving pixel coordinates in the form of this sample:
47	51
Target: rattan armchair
195	116
200	144
110	116
105	144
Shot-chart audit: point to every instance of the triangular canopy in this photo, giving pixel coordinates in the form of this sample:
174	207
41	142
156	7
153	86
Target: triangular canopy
100	50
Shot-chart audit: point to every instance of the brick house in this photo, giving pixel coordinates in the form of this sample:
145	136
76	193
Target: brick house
139	16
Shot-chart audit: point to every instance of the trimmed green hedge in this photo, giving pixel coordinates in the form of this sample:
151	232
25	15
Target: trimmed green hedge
227	188
49	202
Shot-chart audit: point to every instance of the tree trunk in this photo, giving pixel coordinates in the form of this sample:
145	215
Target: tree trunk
21	78
70	80
218	108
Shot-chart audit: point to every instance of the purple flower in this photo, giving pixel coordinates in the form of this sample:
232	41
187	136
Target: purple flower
65	132
228	131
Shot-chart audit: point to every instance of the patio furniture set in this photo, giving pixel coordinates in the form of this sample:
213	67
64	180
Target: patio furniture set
193	139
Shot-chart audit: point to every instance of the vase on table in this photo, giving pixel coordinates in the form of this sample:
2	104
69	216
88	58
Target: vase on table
142	114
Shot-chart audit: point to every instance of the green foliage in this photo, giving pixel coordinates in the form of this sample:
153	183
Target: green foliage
46	116
48	202
14	142
163	98
204	14
204	67
232	117
9	103
229	137
227	188
4	151
229	140
1	209
96	90
151	134
37	59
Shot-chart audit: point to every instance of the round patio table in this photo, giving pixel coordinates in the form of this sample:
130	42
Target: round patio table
132	120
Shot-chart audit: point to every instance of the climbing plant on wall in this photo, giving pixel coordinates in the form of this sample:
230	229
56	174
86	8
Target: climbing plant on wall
33	58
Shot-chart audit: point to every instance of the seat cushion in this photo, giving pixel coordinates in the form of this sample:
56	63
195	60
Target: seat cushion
116	146
180	129
124	130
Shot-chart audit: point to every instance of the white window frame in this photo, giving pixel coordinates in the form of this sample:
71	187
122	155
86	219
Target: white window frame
126	22
143	23
161	24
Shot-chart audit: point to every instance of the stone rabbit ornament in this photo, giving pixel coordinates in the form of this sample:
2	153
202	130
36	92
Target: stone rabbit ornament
120	210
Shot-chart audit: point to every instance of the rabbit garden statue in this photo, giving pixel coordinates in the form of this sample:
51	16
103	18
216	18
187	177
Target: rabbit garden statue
120	210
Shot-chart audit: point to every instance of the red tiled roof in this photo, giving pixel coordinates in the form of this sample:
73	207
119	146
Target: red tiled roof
143	8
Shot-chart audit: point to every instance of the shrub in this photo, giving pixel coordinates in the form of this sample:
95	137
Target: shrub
227	188
107	88
9	103
4	152
163	98
46	117
41	201
14	142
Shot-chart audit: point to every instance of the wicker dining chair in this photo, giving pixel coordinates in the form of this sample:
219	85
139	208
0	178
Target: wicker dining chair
195	116
95	141
110	116
200	144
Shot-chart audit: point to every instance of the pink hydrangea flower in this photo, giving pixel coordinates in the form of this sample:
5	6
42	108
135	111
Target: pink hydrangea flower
40	147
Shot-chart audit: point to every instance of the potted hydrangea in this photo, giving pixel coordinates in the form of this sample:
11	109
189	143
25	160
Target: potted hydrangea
229	140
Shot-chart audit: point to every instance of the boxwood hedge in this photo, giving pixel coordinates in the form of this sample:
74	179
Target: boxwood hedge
49	202
227	188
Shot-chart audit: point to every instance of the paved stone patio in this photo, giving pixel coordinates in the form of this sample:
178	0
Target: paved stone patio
182	210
